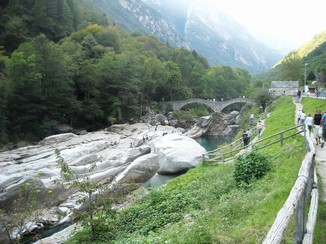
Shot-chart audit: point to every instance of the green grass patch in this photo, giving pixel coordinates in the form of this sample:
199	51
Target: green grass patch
205	205
310	105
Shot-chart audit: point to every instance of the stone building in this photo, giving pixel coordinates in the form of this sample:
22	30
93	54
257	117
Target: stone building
284	88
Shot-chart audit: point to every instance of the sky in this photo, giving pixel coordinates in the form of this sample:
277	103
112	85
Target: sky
281	22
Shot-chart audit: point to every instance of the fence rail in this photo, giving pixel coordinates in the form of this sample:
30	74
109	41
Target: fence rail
229	152
303	194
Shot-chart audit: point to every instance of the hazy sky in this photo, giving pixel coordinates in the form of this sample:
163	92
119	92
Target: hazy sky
291	21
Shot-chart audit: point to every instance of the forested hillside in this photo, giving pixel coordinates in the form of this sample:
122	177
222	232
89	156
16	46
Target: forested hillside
21	20
312	55
95	76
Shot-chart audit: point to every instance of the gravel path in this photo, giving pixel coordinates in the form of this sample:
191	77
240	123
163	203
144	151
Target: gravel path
320	159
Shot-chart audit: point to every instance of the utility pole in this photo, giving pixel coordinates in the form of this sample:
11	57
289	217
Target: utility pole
305	78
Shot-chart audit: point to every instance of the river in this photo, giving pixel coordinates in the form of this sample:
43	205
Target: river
211	142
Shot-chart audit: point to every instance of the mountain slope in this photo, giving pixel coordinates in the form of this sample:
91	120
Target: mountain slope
224	41
134	15
197	26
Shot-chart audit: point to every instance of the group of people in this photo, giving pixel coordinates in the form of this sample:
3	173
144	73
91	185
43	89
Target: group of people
318	122
246	135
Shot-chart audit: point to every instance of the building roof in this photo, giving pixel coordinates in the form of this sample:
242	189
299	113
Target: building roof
285	84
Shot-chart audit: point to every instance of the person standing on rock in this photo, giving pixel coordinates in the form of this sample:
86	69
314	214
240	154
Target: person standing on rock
317	126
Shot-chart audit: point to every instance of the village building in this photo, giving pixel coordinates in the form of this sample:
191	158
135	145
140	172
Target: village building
284	88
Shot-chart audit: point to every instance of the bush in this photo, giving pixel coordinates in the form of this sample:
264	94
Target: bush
250	166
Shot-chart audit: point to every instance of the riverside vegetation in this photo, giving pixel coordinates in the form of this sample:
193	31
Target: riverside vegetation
206	205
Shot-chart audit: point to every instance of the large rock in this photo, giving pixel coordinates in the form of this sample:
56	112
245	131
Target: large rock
217	124
140	170
177	153
62	128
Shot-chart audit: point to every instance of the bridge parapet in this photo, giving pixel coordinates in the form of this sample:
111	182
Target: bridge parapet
216	106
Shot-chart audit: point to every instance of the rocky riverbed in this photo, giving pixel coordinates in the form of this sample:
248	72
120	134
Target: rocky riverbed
123	154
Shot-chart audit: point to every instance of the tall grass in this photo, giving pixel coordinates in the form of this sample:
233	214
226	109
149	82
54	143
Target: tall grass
206	206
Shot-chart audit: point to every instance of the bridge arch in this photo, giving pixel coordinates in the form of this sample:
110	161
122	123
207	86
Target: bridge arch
216	106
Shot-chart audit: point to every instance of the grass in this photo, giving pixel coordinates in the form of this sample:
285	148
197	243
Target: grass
206	206
310	105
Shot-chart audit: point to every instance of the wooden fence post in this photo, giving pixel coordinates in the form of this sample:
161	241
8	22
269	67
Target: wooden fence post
282	139
305	131
300	228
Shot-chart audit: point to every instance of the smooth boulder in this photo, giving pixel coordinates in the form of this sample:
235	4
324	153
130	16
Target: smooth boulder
177	153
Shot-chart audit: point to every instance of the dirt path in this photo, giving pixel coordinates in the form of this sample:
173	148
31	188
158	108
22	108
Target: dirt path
320	158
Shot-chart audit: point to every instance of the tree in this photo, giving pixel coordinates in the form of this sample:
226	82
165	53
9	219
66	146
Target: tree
154	76
56	85
40	88
25	97
263	98
173	78
291	67
3	99
54	18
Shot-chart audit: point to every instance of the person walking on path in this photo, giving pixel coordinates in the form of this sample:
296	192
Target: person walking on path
302	118
249	135
308	122
298	116
317	126
252	117
259	127
323	123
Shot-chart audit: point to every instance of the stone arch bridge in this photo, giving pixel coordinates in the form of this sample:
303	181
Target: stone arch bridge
216	106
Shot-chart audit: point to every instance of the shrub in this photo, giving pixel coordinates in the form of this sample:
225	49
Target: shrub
250	166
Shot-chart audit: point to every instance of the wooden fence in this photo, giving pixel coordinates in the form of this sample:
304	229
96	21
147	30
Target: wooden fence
229	152
303	194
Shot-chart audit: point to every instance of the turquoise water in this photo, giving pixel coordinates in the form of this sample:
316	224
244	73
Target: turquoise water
212	142
44	233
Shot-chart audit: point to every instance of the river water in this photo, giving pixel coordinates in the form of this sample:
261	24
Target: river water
212	142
